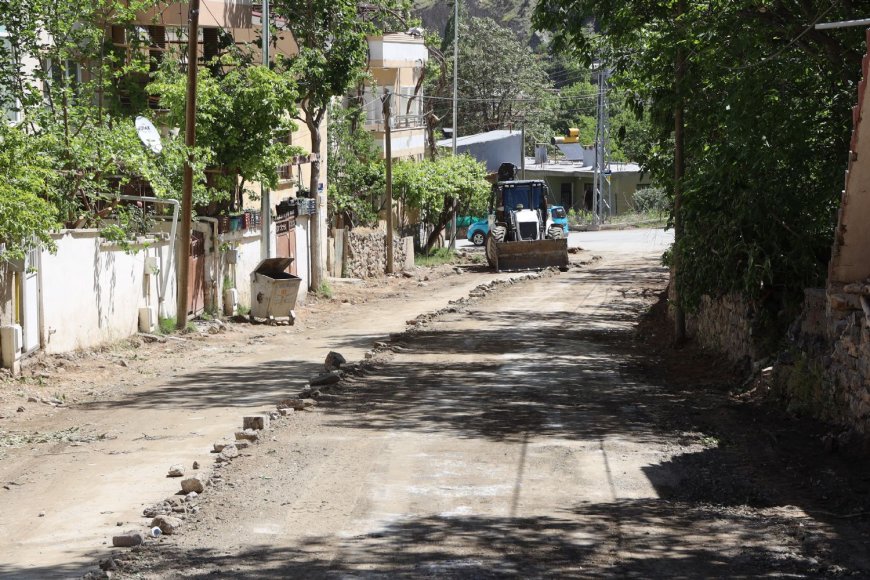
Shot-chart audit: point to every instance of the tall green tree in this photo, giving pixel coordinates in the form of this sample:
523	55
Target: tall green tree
64	79
356	170
767	115
26	218
244	115
332	58
502	82
440	187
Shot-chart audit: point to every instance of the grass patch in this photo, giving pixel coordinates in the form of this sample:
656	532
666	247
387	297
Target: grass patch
324	290
438	257
654	219
167	326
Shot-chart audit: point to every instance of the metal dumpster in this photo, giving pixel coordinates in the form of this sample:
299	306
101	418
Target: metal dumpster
273	291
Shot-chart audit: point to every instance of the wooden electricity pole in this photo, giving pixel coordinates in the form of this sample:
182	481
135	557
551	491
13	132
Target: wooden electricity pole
679	172
187	184
388	154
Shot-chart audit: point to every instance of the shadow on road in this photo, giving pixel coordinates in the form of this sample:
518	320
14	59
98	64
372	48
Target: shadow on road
625	539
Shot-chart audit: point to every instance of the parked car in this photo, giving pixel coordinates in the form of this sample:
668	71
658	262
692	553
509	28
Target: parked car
478	230
560	217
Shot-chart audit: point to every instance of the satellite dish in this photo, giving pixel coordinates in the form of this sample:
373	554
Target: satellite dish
148	134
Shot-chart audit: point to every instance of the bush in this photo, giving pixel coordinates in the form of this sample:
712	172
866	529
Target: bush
651	199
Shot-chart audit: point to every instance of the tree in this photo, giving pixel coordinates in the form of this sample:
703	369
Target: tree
438	188
332	57
61	72
502	83
765	101
244	114
356	170
26	218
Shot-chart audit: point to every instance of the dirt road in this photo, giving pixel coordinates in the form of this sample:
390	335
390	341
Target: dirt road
518	434
70	474
513	437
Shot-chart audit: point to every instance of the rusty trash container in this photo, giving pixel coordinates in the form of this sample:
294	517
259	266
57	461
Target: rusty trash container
273	291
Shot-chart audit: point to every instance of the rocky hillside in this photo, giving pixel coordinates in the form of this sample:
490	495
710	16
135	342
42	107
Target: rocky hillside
513	14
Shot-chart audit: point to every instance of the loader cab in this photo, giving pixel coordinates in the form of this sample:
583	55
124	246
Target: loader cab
510	196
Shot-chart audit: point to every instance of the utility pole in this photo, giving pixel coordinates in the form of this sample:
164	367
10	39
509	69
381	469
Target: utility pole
187	182
523	149
596	175
265	205
455	105
388	143
679	172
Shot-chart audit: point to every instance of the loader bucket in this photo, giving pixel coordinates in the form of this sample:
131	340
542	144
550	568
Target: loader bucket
531	255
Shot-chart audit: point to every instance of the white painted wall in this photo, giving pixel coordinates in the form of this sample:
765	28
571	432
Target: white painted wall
407	143
302	258
92	291
247	244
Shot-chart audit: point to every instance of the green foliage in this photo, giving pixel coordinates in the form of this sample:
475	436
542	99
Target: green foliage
243	115
356	170
501	82
324	290
435	188
166	325
767	124
332	57
651	199
26	218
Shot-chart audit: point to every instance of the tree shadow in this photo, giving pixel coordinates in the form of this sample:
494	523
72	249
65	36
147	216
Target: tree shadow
623	539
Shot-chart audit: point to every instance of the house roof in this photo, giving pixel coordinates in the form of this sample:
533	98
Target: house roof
578	168
487	137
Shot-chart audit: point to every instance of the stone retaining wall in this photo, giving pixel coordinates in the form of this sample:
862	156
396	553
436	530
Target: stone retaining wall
366	253
724	325
848	367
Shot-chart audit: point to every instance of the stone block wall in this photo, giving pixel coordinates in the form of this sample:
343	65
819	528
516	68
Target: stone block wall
724	325
366	253
847	370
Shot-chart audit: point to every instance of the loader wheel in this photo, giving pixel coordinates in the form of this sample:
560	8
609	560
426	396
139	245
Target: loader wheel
556	233
496	235
490	251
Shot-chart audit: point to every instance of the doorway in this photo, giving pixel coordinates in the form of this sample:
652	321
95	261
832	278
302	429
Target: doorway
566	195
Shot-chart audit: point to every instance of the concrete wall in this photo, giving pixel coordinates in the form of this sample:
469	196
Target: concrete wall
92	291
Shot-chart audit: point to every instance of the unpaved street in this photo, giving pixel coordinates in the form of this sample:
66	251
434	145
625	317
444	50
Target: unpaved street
525	432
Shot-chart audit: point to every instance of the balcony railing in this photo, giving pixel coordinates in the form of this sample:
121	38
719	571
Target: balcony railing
399	122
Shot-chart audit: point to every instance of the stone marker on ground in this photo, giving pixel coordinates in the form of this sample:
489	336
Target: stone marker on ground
127	540
258	422
229	452
195	483
330	378
176	471
247	435
167	524
333	361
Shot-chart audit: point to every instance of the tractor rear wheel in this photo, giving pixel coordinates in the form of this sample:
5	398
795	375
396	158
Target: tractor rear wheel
496	235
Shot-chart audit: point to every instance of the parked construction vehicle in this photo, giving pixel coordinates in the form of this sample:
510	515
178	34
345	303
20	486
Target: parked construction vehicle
521	231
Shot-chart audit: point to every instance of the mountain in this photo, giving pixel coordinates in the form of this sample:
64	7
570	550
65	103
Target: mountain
513	14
